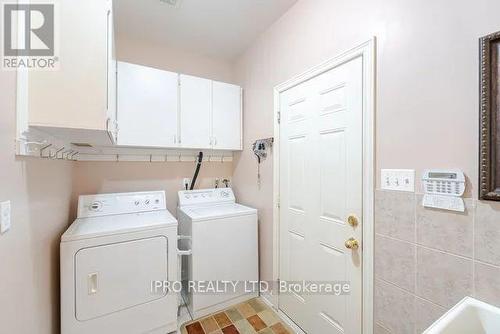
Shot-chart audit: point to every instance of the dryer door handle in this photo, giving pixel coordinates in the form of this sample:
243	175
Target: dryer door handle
92	284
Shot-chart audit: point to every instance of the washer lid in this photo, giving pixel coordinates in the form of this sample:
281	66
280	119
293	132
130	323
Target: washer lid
218	211
85	228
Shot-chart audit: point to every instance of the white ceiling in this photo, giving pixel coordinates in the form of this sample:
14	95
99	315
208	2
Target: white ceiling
216	28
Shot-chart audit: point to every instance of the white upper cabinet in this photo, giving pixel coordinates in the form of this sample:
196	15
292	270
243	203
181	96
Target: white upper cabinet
76	101
195	112
226	116
163	109
148	106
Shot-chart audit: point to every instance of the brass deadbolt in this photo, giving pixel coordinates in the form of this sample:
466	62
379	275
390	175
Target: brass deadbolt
352	220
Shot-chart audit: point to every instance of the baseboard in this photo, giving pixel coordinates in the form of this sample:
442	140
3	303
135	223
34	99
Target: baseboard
267	298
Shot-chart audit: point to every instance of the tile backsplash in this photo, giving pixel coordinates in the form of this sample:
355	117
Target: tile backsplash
426	260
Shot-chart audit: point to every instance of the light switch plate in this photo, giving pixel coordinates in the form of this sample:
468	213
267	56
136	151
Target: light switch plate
4	217
398	179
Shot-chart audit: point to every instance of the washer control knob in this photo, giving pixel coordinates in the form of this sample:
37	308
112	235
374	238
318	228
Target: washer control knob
147	202
95	206
137	203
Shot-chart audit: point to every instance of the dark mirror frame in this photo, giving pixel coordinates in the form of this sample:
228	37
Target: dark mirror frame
489	131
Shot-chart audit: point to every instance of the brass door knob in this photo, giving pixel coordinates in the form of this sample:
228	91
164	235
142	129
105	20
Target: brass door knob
352	243
352	220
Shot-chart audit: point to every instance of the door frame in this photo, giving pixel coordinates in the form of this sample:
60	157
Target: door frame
367	51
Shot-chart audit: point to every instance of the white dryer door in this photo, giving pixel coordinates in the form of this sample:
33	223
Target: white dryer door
114	277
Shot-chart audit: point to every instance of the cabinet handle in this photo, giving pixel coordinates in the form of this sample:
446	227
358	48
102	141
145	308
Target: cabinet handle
215	141
175	139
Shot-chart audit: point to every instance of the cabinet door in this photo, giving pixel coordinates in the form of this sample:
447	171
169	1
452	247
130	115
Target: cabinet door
147	106
196	102
226	119
75	95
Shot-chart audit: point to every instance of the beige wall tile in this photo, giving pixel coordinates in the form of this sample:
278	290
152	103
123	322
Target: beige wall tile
426	313
487	232
395	262
378	329
487	283
394	308
395	214
443	278
446	230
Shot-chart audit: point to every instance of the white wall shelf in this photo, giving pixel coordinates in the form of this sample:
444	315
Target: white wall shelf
42	145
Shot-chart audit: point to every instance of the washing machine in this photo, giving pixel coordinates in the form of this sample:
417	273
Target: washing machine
222	269
113	254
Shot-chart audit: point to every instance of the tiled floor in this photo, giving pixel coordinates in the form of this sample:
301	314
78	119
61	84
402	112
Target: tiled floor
184	316
250	317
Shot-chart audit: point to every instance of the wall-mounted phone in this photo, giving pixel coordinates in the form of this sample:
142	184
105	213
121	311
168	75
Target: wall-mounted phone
444	189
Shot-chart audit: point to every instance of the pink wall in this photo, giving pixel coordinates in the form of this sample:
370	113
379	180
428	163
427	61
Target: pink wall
427	98
148	54
40	194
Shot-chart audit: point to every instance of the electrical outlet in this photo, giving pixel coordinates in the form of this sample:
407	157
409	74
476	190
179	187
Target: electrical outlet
225	182
217	182
398	179
186	181
222	182
4	217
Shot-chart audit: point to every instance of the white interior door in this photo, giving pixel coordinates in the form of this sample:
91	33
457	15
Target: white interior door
196	104
147	106
226	116
320	187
